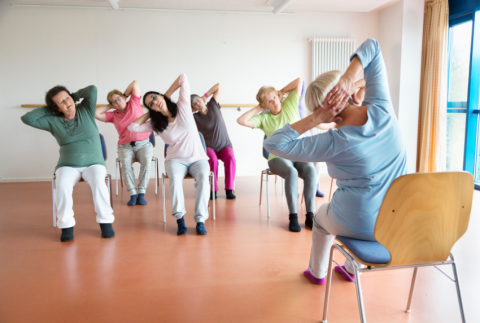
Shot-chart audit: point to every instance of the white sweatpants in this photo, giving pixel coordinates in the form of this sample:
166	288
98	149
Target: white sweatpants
67	178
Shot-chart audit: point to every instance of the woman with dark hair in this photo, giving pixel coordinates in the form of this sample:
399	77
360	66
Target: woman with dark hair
73	126
210	123
174	123
131	146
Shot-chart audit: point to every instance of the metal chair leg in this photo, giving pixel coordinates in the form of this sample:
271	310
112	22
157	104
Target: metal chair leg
412	288
163	196
212	176
359	293
261	188
156	166
268	201
329	284
158	175
54	207
457	285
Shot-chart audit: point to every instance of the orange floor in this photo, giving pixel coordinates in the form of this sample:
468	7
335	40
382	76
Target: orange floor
248	268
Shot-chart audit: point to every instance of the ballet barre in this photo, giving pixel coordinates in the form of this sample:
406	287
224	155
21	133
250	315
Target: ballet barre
236	105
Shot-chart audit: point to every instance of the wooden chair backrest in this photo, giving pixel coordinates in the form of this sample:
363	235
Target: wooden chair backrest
423	215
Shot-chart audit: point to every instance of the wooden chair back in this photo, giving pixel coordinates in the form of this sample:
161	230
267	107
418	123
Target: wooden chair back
423	215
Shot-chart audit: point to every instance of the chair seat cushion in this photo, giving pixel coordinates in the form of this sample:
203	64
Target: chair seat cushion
367	251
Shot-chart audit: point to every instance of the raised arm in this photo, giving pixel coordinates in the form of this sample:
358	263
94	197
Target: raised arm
318	148
141	124
322	115
215	91
294	85
132	88
183	102
38	118
245	119
100	112
359	95
174	87
369	58
89	95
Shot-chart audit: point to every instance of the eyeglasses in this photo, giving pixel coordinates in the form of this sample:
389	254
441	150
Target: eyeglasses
196	101
117	100
154	97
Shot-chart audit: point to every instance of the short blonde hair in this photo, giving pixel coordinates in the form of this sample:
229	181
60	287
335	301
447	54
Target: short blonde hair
263	92
111	93
317	90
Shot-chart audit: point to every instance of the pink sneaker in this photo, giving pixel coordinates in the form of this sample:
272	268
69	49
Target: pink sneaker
346	275
318	281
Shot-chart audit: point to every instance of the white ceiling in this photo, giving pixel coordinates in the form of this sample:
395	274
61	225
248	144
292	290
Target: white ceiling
225	5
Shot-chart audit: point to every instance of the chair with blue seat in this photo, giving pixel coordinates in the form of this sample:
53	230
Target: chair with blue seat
154	160
422	216
188	176
108	178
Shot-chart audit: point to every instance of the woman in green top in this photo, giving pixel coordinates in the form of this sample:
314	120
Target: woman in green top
280	114
73	126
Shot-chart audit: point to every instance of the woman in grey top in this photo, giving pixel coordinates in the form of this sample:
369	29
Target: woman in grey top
210	123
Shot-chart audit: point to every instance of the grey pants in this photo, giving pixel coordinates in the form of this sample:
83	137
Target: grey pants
324	230
142	152
290	171
176	171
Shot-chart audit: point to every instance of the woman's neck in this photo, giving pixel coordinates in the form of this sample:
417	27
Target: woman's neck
71	116
353	116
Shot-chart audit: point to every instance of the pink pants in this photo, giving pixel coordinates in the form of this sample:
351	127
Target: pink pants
226	155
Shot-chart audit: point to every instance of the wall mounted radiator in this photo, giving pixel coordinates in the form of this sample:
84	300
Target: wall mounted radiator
330	54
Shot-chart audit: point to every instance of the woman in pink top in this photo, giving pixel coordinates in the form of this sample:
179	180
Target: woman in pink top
131	146
174	123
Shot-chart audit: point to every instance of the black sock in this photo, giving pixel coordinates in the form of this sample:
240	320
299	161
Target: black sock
293	225
211	194
67	234
309	220
230	195
107	230
182	229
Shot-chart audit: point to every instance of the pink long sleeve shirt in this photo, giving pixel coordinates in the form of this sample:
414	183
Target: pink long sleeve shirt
182	134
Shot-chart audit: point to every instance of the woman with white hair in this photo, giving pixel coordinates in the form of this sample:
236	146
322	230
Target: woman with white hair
365	155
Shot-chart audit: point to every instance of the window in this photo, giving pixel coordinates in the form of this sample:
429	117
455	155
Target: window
460	39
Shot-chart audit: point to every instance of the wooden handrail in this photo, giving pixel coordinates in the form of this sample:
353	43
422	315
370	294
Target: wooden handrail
236	105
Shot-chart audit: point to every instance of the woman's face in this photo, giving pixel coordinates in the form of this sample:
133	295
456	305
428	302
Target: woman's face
64	103
272	103
118	102
156	102
198	104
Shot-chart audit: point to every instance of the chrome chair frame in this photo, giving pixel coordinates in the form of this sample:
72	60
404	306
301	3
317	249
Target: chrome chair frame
358	270
154	159
108	178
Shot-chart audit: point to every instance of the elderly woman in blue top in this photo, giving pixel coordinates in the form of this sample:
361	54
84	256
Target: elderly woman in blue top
365	155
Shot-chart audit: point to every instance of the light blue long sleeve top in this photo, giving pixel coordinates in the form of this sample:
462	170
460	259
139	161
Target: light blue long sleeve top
364	160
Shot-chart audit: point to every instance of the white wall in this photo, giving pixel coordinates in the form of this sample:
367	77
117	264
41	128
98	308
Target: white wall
400	35
43	47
